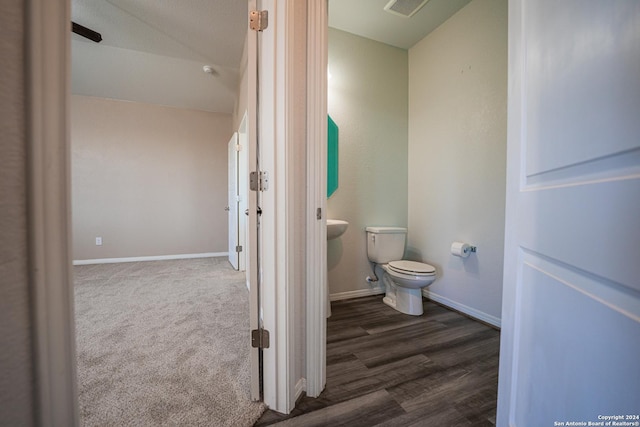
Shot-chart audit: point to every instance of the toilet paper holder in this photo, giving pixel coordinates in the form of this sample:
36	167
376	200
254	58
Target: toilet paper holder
462	249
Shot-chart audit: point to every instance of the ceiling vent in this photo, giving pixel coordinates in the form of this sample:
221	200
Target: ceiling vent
405	8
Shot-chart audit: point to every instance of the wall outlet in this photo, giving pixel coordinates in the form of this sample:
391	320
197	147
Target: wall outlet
98	241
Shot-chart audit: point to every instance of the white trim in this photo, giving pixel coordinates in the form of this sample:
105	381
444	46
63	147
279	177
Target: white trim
255	303
277	225
511	297
286	120
316	248
301	387
289	201
470	311
357	294
274	379
47	49
148	258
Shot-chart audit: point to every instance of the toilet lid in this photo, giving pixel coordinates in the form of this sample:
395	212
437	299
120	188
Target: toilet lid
411	267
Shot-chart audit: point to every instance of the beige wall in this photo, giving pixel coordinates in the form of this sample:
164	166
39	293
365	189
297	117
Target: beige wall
150	180
457	153
16	370
368	101
243	85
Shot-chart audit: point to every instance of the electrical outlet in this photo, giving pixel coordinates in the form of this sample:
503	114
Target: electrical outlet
98	241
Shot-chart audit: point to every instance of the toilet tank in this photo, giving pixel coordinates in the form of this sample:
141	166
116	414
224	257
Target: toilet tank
385	244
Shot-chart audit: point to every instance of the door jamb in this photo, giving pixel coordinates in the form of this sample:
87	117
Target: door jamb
317	288
278	271
49	207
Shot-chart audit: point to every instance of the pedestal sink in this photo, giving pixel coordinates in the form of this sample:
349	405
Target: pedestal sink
335	228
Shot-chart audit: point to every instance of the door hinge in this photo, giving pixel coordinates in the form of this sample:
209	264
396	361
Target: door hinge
238	248
260	338
258	20
259	181
319	213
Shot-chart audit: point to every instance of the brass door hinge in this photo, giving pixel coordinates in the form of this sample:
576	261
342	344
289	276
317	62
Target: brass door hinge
258	20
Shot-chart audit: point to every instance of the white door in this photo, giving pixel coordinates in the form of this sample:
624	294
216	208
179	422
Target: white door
570	346
232	206
243	190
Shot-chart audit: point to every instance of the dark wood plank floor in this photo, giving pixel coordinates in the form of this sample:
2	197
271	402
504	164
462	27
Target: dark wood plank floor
385	368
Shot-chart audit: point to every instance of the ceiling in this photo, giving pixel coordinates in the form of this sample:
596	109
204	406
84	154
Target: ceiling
367	18
153	51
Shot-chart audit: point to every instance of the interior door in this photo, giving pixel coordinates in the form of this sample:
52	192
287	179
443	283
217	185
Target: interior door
243	190
232	206
571	302
252	252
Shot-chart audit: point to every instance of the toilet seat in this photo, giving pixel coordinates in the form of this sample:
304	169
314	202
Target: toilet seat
412	268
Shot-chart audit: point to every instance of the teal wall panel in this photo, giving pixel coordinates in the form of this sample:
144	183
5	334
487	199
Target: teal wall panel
332	158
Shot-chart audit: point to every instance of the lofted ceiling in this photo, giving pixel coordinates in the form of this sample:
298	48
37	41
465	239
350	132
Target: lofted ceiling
153	51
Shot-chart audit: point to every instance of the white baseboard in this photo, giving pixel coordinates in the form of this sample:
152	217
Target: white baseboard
472	312
148	258
301	387
356	294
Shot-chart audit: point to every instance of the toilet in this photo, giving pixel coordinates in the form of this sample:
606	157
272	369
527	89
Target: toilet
404	280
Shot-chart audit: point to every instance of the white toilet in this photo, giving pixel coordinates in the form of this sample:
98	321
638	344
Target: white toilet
403	279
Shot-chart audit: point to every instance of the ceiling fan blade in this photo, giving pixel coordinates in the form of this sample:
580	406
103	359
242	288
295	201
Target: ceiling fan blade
86	32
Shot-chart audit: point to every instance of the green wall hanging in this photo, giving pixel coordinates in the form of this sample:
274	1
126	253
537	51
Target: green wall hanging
332	158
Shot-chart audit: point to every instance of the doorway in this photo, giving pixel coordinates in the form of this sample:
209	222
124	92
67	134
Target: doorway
176	161
48	78
238	196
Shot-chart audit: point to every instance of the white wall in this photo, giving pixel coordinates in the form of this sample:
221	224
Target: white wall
150	180
457	155
367	98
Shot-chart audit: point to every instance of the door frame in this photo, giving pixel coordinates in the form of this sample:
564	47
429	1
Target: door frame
282	120
317	287
48	44
277	129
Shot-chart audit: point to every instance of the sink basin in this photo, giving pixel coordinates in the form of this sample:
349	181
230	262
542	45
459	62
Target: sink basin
335	228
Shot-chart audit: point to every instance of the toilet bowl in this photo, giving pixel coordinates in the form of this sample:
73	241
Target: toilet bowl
403	279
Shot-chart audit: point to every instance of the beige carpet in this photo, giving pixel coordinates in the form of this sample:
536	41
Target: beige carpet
163	343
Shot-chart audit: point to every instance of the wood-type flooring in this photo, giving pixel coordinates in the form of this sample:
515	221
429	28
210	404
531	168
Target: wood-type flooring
385	368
